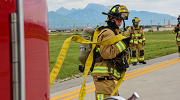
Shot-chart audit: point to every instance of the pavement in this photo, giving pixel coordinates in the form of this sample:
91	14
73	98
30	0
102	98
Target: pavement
156	80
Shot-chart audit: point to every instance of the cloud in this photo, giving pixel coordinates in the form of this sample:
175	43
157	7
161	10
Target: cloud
54	5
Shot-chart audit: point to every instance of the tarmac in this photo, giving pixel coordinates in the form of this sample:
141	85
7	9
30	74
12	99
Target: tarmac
156	80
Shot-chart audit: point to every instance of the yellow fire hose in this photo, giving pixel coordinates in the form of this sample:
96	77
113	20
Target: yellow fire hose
89	61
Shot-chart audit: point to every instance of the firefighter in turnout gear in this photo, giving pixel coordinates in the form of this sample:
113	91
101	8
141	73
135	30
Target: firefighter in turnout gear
176	30
137	42
106	68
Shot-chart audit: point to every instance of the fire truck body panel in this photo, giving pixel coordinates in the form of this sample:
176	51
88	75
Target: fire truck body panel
31	77
36	52
6	7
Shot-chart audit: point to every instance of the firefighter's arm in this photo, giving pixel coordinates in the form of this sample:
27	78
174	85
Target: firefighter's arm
175	30
110	51
143	37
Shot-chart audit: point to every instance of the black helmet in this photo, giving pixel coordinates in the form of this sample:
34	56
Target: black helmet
118	11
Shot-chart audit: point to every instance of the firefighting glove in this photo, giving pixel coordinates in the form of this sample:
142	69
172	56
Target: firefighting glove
177	29
144	43
127	41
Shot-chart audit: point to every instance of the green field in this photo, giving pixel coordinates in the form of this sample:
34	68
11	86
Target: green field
157	44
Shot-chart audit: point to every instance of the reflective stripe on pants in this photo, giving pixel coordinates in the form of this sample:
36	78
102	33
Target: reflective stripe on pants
100	96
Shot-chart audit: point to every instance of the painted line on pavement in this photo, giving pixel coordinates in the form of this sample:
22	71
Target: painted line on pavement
77	95
150	67
70	93
127	76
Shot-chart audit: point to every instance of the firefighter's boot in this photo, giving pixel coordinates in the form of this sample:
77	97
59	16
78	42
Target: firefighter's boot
143	62
134	63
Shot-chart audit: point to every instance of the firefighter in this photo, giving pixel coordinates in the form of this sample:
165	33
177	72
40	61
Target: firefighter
176	30
105	71
137	42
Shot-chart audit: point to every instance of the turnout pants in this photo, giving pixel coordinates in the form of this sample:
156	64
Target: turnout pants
178	44
134	49
104	88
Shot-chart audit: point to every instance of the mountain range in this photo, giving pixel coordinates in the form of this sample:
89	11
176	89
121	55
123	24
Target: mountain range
92	16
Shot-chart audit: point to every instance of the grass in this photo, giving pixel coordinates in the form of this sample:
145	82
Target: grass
157	44
70	64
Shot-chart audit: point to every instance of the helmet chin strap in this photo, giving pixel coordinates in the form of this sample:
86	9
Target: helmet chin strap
124	26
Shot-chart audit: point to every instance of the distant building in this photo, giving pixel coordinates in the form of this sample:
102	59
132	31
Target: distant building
66	30
52	30
169	22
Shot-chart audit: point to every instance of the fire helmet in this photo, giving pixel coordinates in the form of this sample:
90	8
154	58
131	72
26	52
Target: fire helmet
135	22
117	11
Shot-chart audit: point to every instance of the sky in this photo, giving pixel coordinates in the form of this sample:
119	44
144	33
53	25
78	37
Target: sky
170	7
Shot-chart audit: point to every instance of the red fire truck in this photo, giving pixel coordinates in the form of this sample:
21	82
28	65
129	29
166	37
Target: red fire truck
24	53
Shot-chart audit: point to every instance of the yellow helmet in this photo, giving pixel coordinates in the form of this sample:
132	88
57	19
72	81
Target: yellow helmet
117	11
135	19
135	22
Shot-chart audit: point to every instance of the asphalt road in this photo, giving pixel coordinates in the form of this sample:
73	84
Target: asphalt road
157	80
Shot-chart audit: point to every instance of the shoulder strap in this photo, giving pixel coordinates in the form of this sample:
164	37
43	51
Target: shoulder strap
132	31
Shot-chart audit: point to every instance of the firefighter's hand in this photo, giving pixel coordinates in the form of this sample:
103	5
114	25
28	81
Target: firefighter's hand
177	29
144	43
